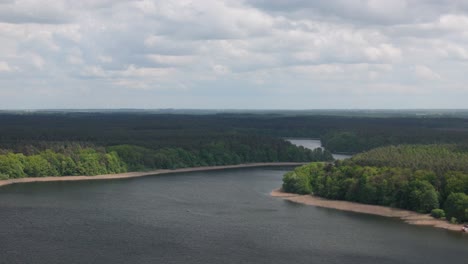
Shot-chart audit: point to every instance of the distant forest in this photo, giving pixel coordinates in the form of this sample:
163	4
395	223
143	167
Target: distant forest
61	143
423	178
338	134
90	144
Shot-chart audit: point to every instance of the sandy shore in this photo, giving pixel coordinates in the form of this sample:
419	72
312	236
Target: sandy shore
145	173
409	217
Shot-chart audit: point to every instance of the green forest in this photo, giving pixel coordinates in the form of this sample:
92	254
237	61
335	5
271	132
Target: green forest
73	159
412	163
422	178
26	132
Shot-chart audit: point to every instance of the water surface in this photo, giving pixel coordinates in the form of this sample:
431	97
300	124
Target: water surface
203	217
313	144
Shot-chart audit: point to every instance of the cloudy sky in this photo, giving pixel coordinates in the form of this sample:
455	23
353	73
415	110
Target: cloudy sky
282	54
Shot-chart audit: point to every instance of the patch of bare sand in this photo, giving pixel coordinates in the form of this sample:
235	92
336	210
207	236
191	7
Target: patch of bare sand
409	217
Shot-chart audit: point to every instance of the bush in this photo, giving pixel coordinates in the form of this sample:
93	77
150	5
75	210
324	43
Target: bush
4	176
438	213
453	220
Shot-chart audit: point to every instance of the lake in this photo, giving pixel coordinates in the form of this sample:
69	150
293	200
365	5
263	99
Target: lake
223	216
313	144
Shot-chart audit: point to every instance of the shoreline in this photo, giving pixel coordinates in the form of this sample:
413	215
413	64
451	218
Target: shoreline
409	217
137	174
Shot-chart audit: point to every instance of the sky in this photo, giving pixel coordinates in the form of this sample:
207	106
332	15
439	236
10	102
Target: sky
233	54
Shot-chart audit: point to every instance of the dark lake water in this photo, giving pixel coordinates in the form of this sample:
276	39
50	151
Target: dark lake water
204	217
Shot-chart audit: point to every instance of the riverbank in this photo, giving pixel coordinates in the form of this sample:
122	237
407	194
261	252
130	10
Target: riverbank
409	217
145	173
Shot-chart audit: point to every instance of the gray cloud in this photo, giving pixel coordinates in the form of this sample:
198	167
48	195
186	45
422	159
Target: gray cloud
233	54
30	11
365	11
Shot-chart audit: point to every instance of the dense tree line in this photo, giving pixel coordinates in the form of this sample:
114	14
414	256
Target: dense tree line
409	178
146	140
76	160
137	141
230	150
155	131
437	158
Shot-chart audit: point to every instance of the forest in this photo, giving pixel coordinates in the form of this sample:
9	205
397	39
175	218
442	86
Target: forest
74	159
31	131
92	144
426	179
74	143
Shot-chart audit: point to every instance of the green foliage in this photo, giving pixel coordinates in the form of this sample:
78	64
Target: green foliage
33	133
37	166
230	150
89	163
408	177
295	183
12	165
456	206
113	163
78	160
136	157
48	163
299	180
422	197
456	182
343	142
438	213
438	159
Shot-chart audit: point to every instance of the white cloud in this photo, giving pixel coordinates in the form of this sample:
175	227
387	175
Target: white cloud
94	71
4	67
31	11
383	52
453	22
220	69
133	71
426	73
105	59
170	60
259	47
73	59
36	60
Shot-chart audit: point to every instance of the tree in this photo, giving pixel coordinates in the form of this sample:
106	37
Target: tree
37	166
12	165
422	197
296	183
456	182
456	206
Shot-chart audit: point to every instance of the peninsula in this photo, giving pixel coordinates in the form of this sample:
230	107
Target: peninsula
428	184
